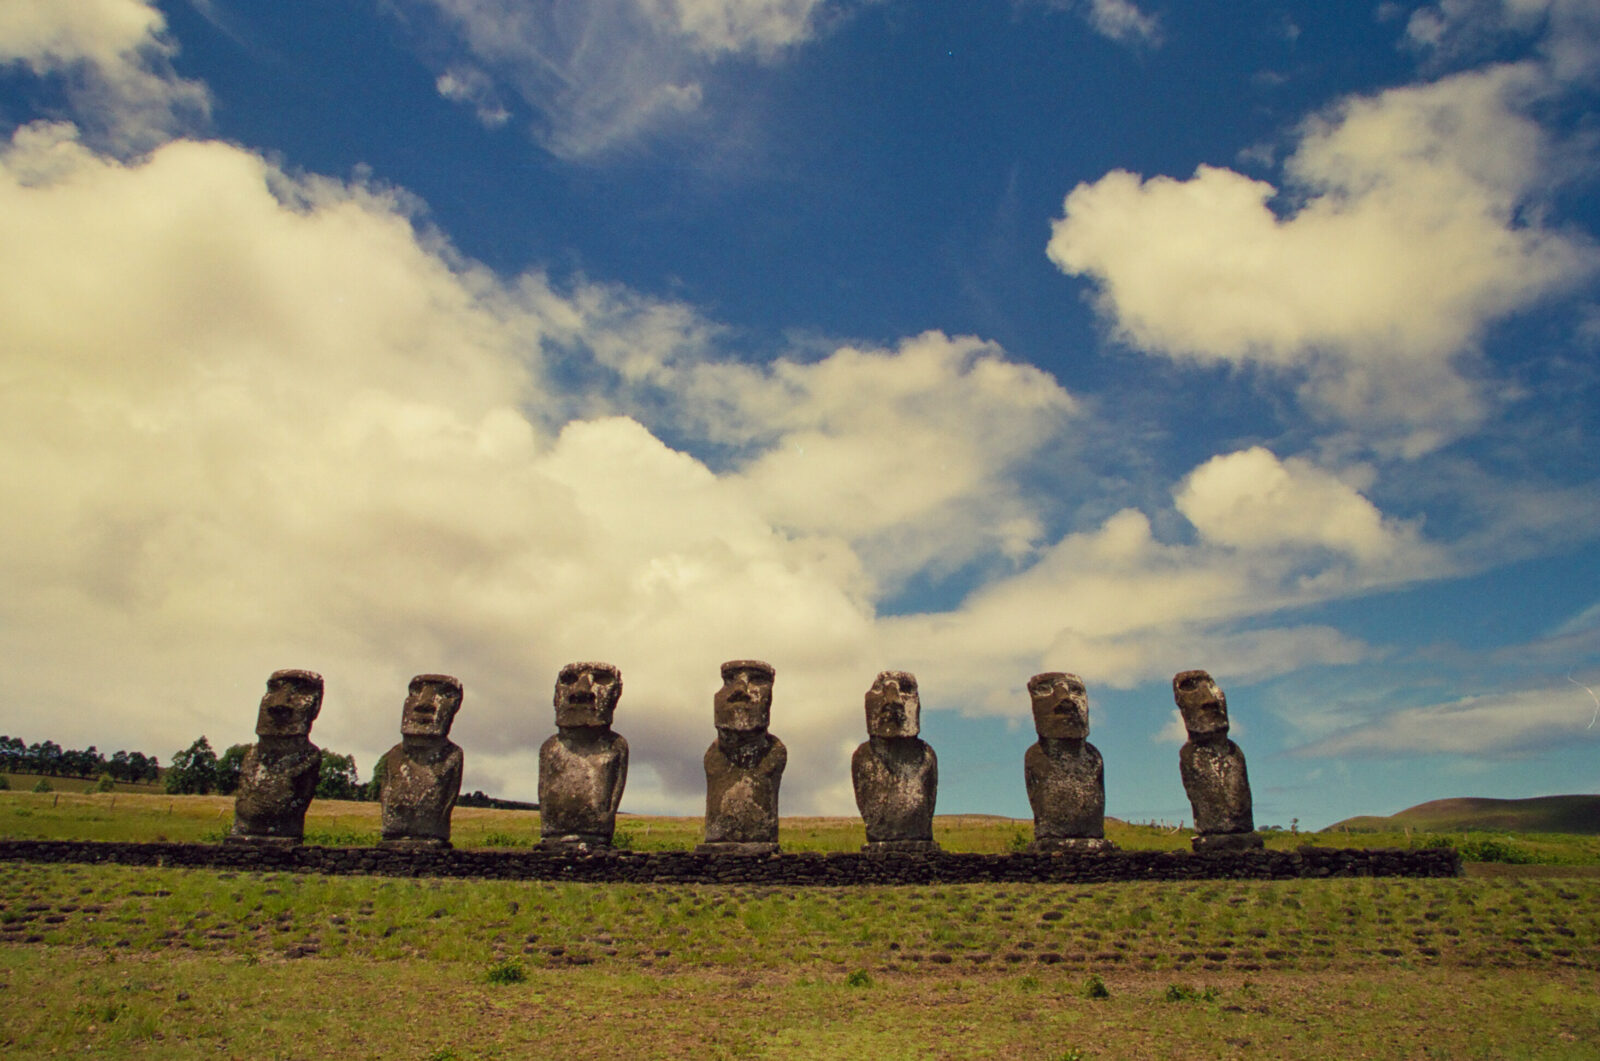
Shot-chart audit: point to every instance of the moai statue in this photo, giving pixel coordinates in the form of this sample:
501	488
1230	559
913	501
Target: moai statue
1065	775
279	775
584	766
1213	768
744	765
896	774
422	774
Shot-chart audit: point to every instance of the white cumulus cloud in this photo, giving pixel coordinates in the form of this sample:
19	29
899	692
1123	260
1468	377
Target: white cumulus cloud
115	58
259	420
1406	235
1252	500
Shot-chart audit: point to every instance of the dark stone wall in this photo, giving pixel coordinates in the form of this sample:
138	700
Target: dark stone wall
806	868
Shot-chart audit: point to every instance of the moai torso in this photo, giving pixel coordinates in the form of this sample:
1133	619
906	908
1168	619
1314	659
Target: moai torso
1218	788
420	786
278	778
1212	767
744	765
1066	788
276	786
895	773
1064	773
583	768
742	778
896	781
422	774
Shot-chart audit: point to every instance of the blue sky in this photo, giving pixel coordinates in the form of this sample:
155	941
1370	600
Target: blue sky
971	338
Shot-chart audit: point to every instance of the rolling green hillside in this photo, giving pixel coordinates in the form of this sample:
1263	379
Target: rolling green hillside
1542	814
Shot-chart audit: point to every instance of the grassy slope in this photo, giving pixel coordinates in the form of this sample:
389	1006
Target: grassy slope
137	962
1578	815
165	963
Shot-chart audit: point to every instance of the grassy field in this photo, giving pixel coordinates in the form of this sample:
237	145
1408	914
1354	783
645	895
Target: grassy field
145	816
136	962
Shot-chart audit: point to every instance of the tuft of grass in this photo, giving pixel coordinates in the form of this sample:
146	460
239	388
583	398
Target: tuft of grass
858	978
509	971
1094	987
1185	993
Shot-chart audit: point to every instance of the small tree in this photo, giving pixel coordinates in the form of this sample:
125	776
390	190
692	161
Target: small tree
142	767
373	789
193	770
338	779
229	766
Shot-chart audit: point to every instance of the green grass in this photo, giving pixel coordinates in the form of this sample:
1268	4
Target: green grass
136	962
145	817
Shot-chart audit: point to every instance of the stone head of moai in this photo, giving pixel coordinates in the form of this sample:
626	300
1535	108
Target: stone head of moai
893	706
587	694
1200	701
431	706
1060	705
291	704
744	703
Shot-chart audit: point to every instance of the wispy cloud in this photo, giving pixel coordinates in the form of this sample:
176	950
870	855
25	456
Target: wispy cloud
1508	724
471	86
1566	32
1122	21
604	74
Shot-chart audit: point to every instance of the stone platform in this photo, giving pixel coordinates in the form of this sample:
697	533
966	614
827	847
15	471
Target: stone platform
800	869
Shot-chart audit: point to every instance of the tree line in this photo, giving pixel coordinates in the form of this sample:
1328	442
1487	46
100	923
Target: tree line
198	770
51	760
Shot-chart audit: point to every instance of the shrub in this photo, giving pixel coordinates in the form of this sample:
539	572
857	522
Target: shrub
859	978
1094	987
5	783
43	786
1019	840
1490	850
502	840
1185	993
623	840
506	972
105	784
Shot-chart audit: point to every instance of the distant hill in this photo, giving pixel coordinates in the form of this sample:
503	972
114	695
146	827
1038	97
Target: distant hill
1541	814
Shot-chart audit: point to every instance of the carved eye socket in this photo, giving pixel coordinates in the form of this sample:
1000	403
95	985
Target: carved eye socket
1189	685
568	675
908	686
602	677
